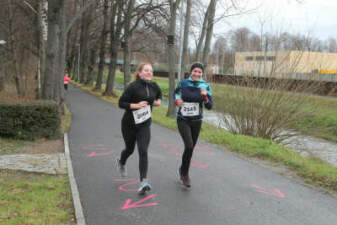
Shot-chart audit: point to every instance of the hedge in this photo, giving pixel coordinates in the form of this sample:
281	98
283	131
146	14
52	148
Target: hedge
30	120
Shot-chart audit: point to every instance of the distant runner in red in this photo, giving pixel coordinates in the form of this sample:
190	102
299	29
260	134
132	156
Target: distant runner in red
137	100
66	81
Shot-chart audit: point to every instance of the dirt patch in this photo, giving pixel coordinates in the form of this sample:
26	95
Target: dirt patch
45	147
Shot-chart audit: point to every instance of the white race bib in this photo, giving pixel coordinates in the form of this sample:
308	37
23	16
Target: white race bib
141	115
190	109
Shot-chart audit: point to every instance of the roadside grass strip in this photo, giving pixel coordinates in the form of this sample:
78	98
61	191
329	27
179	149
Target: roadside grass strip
313	170
34	198
323	112
28	198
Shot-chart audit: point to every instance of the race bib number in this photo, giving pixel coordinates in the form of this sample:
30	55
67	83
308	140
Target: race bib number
141	115
190	109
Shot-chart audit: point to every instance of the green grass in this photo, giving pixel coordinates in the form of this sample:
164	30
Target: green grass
27	198
65	120
323	112
10	146
31	198
313	170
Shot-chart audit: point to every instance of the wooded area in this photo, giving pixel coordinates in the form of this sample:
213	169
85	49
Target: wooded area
42	40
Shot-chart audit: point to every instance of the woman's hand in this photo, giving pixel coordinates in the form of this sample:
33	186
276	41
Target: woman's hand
179	102
138	105
203	92
157	102
204	95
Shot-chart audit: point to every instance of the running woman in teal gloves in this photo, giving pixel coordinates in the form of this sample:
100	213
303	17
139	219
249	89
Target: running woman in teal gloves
190	96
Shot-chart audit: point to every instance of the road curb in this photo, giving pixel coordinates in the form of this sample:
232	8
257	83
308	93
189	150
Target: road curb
73	185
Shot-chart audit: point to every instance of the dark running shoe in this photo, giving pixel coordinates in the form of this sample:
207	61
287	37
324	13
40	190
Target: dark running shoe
185	180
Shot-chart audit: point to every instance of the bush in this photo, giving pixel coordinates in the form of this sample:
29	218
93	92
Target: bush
30	120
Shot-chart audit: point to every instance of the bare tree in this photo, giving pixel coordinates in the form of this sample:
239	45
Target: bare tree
115	33
170	52
209	33
186	35
102	42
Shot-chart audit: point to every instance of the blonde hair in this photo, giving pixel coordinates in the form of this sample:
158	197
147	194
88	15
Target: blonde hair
140	68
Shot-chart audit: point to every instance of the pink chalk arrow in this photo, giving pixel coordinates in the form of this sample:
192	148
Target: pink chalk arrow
93	154
129	205
276	192
199	165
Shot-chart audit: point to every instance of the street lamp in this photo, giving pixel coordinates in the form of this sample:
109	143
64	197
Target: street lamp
78	62
2	42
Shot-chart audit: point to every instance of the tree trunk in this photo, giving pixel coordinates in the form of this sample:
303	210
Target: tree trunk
208	35
84	38
43	29
202	36
56	52
91	66
12	46
115	32
171	56
127	48
102	47
186	32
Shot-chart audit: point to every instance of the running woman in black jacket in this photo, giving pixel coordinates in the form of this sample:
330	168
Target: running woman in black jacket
190	96
137	100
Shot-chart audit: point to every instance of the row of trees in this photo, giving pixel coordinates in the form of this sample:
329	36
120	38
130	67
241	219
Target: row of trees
52	36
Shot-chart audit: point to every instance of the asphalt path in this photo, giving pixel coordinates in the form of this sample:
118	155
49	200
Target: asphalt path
225	189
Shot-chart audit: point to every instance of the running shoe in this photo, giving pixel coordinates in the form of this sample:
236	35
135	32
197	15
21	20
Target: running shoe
144	187
121	168
185	180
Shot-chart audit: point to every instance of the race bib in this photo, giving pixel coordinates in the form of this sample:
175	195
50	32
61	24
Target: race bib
190	109
141	115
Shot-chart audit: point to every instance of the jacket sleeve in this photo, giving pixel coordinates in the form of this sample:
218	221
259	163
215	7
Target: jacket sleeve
177	91
125	100
159	93
209	104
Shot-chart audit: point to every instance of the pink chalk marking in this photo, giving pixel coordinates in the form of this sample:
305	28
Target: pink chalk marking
94	147
123	179
94	154
194	162
275	192
199	165
198	147
137	204
132	182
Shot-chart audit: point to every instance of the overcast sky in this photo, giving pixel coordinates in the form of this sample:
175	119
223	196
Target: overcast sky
316	18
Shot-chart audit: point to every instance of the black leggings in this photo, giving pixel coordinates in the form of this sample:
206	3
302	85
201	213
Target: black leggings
189	131
142	135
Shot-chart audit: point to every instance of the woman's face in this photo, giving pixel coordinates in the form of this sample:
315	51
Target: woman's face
196	73
146	73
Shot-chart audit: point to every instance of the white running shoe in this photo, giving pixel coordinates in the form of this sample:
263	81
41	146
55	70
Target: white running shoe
144	187
121	168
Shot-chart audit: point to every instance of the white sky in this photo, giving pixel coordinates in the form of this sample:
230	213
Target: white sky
316	18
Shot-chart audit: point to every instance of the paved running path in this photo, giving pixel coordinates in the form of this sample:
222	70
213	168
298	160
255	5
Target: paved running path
225	189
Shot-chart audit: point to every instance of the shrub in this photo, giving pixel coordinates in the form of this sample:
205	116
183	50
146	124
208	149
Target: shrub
30	120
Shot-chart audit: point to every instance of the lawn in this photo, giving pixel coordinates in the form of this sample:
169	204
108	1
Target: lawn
32	198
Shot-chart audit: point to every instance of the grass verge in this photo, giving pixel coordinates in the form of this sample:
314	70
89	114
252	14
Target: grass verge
322	122
31	198
312	170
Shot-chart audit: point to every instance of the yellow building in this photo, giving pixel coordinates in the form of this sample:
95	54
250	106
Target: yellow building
287	64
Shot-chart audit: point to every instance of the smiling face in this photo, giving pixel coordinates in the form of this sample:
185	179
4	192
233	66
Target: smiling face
196	73
146	72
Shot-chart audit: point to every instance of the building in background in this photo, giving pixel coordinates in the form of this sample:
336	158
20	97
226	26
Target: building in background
287	64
